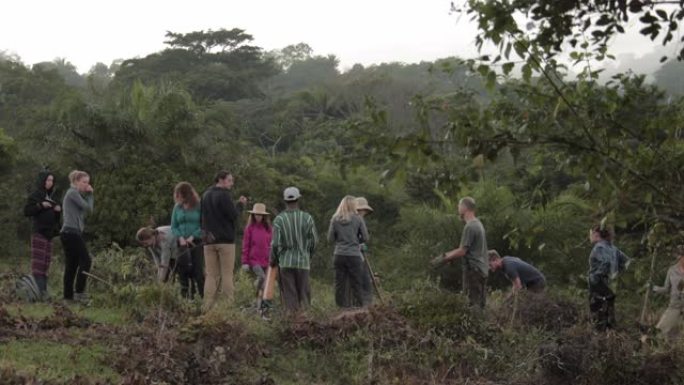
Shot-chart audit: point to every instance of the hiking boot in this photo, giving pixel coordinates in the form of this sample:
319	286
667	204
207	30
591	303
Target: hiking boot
81	298
45	296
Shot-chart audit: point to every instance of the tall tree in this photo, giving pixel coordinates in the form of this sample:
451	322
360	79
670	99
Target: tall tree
211	65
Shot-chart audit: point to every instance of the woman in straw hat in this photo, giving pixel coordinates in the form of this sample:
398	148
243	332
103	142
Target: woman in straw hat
364	209
256	243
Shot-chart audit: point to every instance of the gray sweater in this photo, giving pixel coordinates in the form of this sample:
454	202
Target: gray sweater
166	249
75	207
348	235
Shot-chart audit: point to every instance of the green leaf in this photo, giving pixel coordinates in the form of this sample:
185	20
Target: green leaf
662	14
526	72
491	80
605	19
507	67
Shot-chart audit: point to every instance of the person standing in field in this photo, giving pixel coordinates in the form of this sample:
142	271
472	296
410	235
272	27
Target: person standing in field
45	212
185	226
348	231
256	244
670	323
473	250
78	201
293	245
219	223
605	262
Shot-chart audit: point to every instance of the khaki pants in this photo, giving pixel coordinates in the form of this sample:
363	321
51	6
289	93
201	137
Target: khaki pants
219	262
475	287
670	324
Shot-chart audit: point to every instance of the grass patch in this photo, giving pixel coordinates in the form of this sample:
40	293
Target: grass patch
110	316
51	361
30	310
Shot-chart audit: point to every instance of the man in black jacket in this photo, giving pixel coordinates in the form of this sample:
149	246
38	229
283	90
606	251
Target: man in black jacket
219	216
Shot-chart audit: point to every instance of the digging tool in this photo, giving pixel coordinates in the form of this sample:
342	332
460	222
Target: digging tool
269	291
95	277
644	308
373	280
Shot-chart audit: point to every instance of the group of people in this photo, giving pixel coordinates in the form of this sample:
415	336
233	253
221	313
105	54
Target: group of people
199	248
287	243
605	262
46	211
478	260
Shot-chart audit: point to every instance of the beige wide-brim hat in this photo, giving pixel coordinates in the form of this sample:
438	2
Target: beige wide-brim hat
259	209
362	204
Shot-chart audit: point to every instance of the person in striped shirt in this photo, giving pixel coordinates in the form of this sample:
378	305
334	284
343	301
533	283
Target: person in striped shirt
293	243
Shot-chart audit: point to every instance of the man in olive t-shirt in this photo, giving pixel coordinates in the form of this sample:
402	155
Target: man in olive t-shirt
473	250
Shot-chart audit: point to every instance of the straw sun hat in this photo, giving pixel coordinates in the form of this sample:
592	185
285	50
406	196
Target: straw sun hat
362	204
259	209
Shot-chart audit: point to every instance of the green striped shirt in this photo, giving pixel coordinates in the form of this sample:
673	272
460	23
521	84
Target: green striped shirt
294	239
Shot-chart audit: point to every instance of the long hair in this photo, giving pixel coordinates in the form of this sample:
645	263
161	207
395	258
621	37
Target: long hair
185	194
346	209
265	221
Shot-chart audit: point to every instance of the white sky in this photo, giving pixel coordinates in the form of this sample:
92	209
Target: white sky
367	32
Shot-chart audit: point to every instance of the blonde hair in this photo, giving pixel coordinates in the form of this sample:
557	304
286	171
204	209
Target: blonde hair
145	233
346	209
77	175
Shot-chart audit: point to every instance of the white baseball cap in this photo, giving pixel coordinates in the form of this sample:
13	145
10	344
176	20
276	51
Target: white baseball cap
291	194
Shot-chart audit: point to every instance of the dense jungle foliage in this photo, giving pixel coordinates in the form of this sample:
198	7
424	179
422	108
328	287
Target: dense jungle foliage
545	154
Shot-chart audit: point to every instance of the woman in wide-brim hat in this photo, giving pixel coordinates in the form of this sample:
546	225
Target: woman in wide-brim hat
362	206
256	243
364	209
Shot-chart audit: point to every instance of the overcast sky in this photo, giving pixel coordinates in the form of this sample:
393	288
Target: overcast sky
367	32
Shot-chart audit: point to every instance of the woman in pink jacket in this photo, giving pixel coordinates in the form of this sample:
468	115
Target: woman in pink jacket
256	244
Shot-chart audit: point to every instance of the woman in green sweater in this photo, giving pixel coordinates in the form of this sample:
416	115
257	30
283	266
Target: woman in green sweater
185	226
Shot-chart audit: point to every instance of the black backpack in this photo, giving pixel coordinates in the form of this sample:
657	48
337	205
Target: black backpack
27	289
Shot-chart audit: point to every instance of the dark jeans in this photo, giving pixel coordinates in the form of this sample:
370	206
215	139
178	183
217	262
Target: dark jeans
76	262
295	289
602	305
475	287
190	268
537	286
366	288
350	269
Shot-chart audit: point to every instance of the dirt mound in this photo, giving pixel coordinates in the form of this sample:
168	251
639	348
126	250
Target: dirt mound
200	352
381	323
539	311
583	356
